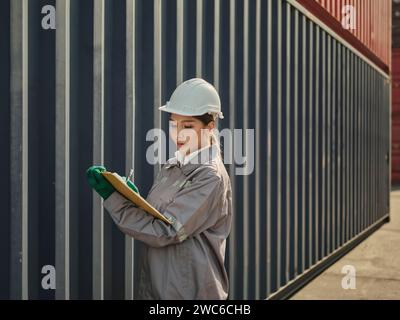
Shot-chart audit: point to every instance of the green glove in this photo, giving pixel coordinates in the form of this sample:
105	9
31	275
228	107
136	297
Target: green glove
98	182
131	185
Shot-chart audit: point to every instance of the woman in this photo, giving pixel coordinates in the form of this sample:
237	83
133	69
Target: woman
184	260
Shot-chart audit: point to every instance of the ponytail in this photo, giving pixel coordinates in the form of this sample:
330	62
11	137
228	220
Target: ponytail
215	141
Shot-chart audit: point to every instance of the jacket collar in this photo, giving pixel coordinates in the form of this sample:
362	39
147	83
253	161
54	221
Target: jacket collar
196	159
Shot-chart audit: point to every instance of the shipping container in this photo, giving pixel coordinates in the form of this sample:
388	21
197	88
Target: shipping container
372	20
87	93
395	74
396	116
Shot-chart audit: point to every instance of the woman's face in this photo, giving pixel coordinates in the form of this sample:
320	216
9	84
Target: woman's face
189	133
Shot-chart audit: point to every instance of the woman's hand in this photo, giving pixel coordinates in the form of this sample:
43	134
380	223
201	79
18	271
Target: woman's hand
131	185
98	182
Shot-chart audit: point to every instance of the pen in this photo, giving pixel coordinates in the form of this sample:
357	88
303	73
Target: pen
130	175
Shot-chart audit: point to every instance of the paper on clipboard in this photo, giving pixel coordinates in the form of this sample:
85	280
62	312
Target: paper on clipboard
120	185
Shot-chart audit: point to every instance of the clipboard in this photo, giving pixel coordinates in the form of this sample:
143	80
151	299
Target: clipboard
120	185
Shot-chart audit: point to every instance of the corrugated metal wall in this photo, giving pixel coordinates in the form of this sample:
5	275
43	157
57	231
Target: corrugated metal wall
88	93
372	23
396	94
396	117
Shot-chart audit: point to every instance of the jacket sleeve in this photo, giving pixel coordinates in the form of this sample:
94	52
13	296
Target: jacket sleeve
192	211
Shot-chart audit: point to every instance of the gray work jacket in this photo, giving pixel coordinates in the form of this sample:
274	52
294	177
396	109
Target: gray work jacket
184	260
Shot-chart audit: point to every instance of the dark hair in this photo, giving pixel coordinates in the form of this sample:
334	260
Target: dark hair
205	118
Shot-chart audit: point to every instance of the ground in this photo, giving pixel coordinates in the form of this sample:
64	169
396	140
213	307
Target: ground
376	261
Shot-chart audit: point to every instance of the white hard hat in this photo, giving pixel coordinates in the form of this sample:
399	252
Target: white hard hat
194	97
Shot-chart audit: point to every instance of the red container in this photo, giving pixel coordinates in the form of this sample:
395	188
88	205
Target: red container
373	25
396	116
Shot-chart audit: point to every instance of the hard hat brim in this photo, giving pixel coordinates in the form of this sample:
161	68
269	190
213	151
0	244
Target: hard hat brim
167	108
